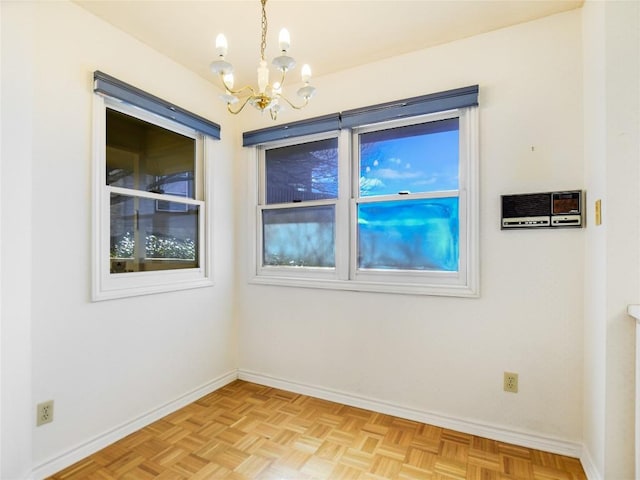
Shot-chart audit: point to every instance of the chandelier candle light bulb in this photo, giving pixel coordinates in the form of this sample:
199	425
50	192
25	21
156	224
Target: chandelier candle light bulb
284	40
221	45
266	96
306	73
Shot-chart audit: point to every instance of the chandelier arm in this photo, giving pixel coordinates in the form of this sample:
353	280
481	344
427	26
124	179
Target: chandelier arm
242	90
235	112
296	107
237	91
282	77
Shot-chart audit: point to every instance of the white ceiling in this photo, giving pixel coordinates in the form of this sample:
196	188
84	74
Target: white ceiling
330	35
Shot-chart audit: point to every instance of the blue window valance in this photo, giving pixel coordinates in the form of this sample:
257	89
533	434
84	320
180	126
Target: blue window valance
410	107
112	87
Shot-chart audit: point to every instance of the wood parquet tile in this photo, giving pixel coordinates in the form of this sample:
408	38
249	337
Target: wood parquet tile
246	431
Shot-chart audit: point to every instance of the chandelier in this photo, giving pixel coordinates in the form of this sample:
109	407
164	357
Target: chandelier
266	96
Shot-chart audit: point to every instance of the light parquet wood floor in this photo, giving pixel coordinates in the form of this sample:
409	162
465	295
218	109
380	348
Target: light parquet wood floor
248	431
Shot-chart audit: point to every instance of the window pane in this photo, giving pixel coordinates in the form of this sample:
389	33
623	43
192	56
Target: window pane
152	235
299	237
415	158
409	235
143	156
299	173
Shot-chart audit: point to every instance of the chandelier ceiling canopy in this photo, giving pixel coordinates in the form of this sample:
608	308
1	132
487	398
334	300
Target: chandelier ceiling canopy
266	96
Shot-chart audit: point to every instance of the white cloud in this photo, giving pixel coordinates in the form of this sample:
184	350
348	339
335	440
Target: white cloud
391	174
367	184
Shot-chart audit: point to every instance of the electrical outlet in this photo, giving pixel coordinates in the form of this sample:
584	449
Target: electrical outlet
44	413
511	382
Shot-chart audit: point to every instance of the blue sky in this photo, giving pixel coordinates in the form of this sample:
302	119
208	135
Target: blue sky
421	163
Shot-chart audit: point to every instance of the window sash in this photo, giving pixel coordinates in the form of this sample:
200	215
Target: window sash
358	271
430	123
140	246
292	168
294	271
262	170
148	117
449	278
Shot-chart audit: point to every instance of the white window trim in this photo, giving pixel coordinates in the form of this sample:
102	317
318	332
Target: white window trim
464	283
107	286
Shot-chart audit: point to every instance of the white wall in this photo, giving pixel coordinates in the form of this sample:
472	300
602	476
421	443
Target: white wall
106	363
595	261
612	161
447	355
16	227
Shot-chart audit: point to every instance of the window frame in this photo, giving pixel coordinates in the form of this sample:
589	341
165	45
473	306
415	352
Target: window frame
463	283
107	285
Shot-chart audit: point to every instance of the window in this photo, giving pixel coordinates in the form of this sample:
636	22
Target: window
298	211
150	211
388	206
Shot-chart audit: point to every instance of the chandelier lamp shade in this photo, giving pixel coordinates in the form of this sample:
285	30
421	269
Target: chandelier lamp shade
266	96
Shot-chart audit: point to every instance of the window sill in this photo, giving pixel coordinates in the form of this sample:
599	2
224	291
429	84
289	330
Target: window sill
374	287
129	284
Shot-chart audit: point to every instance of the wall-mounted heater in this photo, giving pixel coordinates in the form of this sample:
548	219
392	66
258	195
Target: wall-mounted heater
543	210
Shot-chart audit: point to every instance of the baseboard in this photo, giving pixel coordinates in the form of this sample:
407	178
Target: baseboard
589	466
83	450
494	432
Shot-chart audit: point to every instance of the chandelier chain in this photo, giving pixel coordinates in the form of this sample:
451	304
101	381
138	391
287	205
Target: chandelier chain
263	43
